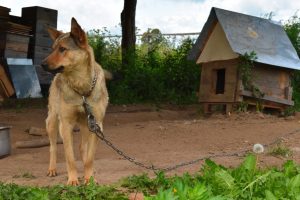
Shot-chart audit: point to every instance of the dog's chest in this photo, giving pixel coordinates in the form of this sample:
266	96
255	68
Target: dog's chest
74	100
70	97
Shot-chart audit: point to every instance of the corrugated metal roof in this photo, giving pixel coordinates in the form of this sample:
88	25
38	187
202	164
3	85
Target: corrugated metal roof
247	33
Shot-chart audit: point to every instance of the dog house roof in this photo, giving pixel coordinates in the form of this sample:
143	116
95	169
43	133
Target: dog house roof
247	33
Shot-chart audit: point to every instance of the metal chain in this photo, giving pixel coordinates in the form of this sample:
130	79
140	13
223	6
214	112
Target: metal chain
95	128
94	81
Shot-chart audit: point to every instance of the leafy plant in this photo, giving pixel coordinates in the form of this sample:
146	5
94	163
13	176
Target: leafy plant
280	150
292	28
213	182
140	183
58	192
245	66
242	106
243	182
161	72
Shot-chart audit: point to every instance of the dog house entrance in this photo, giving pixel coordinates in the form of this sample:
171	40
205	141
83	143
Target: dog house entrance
220	81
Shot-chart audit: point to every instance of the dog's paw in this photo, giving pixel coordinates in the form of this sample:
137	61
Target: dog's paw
87	181
52	173
73	182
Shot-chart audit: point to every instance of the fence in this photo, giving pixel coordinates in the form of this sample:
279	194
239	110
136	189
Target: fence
172	38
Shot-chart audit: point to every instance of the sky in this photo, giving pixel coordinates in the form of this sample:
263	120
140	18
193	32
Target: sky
170	16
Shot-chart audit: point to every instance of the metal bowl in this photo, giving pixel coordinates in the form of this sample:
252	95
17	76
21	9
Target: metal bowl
5	146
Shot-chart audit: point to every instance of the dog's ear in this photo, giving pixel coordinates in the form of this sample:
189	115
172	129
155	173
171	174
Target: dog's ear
78	34
54	34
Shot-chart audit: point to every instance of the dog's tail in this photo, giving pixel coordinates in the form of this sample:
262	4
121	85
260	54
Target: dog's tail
108	75
112	75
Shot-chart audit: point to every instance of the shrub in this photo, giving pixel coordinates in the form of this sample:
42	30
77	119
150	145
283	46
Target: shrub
160	73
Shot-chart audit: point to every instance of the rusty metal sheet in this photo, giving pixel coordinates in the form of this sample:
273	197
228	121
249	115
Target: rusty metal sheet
24	78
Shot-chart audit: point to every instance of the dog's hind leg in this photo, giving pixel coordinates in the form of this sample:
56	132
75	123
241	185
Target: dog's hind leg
66	131
52	130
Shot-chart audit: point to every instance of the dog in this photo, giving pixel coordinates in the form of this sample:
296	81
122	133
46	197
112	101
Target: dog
78	75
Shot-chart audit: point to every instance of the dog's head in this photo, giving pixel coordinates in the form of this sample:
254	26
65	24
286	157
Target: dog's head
70	51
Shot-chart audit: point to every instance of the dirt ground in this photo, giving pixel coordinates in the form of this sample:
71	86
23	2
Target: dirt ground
162	137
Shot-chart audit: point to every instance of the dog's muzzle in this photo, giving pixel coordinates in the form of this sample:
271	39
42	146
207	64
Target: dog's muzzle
45	66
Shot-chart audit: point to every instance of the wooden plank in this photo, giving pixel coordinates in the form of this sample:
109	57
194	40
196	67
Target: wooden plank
207	91
271	80
41	26
17	38
14	54
269	98
42	50
289	93
229	108
39	13
41	142
206	108
7	89
42	40
267	104
20	47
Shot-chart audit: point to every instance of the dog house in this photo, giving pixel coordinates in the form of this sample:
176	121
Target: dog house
225	37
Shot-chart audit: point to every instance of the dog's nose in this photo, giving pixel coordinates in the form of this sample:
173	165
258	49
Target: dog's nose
44	65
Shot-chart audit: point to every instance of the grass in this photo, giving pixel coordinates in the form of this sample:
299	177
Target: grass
212	182
281	150
58	192
28	175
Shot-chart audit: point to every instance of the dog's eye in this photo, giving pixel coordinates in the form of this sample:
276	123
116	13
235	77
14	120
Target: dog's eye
62	49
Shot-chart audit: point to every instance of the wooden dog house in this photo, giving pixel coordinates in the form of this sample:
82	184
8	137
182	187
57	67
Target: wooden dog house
225	37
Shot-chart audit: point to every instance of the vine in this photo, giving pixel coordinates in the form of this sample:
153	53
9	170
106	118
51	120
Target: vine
245	68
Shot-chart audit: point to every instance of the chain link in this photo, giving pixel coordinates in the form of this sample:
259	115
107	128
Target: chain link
95	128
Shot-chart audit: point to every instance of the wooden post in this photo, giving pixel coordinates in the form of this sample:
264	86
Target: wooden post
228	108
206	107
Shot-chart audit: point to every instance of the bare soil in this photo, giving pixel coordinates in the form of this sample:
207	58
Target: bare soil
162	137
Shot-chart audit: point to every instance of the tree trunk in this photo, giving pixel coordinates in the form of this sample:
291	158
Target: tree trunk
128	32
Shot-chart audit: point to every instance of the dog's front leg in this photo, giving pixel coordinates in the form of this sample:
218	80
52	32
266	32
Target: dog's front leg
89	145
66	129
52	131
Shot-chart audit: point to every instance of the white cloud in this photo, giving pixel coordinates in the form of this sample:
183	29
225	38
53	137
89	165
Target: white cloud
90	14
167	15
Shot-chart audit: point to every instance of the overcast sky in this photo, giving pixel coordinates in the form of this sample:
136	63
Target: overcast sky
170	16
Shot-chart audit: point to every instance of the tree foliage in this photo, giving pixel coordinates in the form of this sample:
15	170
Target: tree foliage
292	28
161	73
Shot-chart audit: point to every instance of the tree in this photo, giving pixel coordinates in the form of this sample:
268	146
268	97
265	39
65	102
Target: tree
292	28
153	39
128	32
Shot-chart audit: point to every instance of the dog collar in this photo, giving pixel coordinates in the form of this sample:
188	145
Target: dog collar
93	84
87	94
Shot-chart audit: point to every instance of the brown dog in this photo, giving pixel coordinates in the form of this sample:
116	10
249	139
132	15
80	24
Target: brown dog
78	75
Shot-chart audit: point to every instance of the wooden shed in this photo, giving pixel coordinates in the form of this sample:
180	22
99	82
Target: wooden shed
228	35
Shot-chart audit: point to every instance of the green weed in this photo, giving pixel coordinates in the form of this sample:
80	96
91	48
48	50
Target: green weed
60	192
243	182
28	175
281	150
212	182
